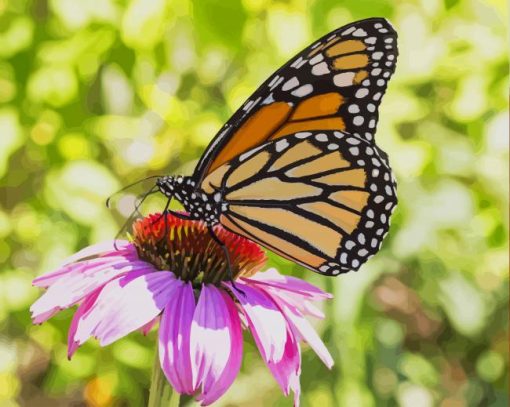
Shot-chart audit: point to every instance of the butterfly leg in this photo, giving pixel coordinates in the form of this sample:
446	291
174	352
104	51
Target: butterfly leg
227	256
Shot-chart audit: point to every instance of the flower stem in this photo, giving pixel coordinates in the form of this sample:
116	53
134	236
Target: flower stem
161	393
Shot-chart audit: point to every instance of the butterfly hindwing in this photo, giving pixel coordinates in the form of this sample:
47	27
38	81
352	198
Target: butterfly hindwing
335	84
322	199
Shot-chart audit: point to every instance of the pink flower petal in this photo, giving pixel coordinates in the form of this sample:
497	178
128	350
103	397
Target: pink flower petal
305	306
303	328
148	326
84	308
100	249
81	280
265	320
287	370
295	285
124	305
174	338
216	344
128	253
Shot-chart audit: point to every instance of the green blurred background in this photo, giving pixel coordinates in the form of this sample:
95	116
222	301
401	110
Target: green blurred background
97	94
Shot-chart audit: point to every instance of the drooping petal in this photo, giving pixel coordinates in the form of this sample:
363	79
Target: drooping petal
303	328
174	338
265	320
216	344
287	370
124	305
295	285
81	280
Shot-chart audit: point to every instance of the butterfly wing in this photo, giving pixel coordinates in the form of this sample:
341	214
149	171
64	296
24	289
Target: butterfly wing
320	199
335	84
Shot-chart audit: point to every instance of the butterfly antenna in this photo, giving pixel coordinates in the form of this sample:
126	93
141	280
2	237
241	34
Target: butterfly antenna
151	191
109	199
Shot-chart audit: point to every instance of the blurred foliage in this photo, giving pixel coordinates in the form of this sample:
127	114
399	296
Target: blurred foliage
97	94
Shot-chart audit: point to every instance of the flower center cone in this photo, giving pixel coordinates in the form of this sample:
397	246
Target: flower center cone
187	248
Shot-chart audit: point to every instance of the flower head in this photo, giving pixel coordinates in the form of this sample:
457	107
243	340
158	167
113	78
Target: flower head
175	272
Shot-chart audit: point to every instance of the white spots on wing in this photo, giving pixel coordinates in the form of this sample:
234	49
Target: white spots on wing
281	145
277	83
290	84
370	40
343	258
349	244
273	81
353	141
371	124
376	71
377	55
316	59
358	120
296	63
249	153
320	69
251	104
377	96
355	263
391	57
354	108
378	25
361	163
303	134
360	32
362	252
354	151
344	79
324	268
381	82
371	107
339	135
388	40
383	30
321	137
332	146
303	90
348	31
269	99
361	93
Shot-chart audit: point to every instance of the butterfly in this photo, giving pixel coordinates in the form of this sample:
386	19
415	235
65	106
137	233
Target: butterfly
296	168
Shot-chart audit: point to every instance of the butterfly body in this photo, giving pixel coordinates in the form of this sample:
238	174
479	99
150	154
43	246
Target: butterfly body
297	168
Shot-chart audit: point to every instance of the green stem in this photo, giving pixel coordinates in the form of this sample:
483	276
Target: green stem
161	393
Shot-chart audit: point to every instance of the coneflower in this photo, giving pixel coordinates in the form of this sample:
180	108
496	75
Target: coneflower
175	272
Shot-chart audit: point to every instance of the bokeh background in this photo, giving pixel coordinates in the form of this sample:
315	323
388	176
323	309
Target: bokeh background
97	94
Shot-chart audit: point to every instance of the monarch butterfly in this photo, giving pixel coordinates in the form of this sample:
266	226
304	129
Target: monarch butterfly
296	169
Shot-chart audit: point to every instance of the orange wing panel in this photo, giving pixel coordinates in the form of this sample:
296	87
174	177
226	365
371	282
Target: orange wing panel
254	132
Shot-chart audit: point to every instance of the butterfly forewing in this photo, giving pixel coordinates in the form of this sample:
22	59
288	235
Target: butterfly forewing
320	199
335	84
